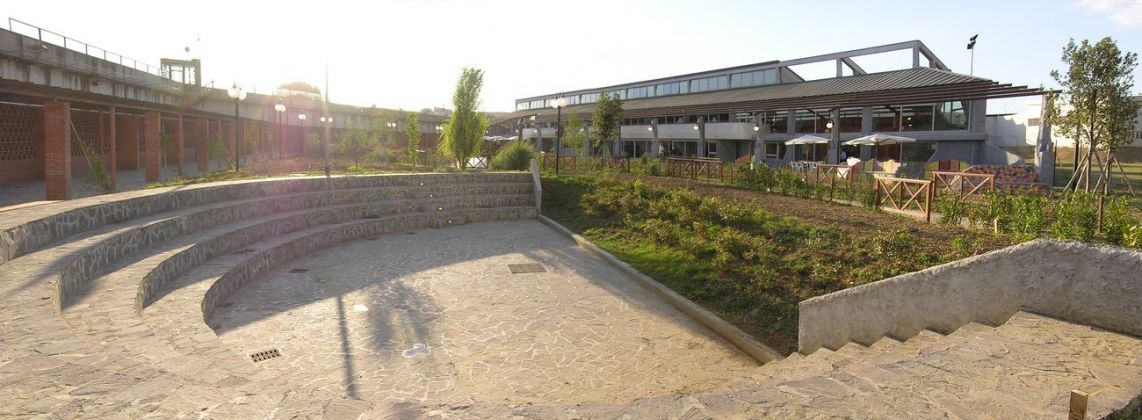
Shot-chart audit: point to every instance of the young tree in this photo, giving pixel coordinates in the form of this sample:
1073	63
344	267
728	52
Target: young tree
574	136
464	131
412	130
1098	112
356	144
605	122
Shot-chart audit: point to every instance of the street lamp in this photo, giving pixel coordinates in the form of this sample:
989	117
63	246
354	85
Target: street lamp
391	125
558	103
326	121
280	108
237	94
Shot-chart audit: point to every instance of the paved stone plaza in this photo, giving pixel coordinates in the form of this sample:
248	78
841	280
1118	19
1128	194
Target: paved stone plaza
436	315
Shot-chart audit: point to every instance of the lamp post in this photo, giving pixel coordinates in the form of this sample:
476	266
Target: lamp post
325	122
558	103
301	118
237	94
280	108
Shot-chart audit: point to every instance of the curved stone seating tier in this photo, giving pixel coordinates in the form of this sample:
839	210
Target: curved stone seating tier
122	288
28	229
121	242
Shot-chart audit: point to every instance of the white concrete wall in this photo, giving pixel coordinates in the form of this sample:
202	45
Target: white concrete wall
1097	286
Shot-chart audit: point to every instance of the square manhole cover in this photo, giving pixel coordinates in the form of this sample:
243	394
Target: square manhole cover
265	355
299	270
526	268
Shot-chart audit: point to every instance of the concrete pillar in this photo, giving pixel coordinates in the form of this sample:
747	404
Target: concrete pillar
759	139
865	129
835	136
57	150
179	141
112	143
790	128
701	137
152	148
617	148
201	147
655	147
128	142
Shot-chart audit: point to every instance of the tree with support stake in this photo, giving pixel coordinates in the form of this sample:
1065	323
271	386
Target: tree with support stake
1095	107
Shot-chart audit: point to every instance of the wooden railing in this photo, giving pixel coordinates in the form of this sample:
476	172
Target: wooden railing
904	194
833	172
570	163
710	168
960	186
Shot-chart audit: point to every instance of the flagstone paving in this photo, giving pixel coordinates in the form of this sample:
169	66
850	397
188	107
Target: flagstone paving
436	314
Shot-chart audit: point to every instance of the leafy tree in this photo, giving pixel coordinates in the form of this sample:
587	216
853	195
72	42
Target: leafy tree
355	144
464	131
1095	108
574	136
412	129
605	122
301	87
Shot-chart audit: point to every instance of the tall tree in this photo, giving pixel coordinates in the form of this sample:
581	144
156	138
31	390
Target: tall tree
605	122
1095	107
355	144
464	131
412	129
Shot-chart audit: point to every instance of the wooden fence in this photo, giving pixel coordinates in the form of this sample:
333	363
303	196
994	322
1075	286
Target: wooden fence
710	168
904	194
960	186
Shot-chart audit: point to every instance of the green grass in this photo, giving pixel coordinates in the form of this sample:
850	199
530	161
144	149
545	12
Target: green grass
748	266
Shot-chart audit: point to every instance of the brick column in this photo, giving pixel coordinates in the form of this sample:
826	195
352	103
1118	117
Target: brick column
201	148
113	168
128	142
151	148
179	142
57	149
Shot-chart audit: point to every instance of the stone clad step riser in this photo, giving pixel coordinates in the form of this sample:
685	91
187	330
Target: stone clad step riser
184	260
96	258
33	235
237	277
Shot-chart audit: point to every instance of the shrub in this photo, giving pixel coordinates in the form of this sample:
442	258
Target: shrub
1115	220
516	156
952	211
1133	237
1075	217
1028	216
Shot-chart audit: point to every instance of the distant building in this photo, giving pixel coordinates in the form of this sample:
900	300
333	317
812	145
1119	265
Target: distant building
751	110
1017	131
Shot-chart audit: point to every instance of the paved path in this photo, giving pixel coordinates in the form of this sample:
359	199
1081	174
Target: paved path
437	316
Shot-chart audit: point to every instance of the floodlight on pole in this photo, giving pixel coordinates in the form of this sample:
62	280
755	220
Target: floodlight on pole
280	108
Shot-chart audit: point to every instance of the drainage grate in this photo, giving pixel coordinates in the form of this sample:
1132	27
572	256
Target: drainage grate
526	268
299	270
265	355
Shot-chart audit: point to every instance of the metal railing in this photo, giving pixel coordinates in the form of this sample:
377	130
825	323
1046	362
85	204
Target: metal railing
55	38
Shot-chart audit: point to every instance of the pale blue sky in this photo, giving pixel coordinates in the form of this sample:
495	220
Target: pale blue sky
407	54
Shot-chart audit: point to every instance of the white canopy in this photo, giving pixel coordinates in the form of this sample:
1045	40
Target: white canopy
807	139
876	139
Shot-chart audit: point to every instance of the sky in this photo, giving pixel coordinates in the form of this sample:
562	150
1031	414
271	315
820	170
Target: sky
407	54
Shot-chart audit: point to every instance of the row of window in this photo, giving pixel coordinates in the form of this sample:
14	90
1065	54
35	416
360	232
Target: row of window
942	116
736	80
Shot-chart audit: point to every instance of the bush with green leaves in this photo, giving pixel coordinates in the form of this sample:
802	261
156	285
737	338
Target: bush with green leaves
516	156
1075	217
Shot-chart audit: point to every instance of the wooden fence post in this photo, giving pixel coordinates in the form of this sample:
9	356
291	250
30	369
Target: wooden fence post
1078	405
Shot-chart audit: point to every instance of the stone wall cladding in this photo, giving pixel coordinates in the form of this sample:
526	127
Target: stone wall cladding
26	230
1097	286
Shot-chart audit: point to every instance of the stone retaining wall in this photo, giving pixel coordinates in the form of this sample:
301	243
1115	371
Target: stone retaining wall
1097	286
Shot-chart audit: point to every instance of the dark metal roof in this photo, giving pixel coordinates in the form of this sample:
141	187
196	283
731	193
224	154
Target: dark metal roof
892	87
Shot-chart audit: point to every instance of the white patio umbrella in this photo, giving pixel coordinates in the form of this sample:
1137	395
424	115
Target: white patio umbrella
808	139
877	139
